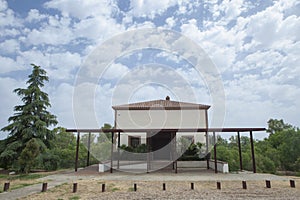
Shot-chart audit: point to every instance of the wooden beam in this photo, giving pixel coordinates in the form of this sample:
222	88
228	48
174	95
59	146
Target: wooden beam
252	152
119	145
77	151
89	148
207	159
215	152
240	150
112	151
220	130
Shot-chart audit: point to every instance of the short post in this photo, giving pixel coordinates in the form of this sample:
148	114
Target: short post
244	183
74	187
219	185
6	186
134	187
44	187
268	183
292	183
192	186
164	186
103	187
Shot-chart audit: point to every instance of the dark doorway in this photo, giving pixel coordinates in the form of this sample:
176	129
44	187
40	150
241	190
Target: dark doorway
161	145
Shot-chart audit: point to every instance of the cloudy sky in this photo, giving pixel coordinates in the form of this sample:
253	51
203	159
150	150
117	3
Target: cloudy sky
254	46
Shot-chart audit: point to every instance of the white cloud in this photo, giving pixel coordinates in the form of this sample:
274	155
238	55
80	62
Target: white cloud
35	16
8	100
55	32
7	16
150	8
9	65
81	9
9	46
115	71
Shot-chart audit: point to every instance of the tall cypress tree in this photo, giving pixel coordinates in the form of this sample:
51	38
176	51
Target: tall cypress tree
30	120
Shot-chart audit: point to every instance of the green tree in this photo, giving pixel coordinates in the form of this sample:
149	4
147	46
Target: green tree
30	120
28	155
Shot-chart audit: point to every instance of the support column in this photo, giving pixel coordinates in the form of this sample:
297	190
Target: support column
89	148
148	142
175	152
119	145
77	151
240	151
207	159
112	151
252	151
215	152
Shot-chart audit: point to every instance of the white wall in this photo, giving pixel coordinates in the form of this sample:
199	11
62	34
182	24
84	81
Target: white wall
159	119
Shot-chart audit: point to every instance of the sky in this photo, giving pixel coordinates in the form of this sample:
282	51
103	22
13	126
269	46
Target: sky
254	46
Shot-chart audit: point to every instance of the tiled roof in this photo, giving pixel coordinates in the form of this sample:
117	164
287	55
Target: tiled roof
161	104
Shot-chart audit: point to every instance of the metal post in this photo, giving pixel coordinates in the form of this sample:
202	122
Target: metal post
240	151
77	151
215	152
252	151
112	151
119	145
89	148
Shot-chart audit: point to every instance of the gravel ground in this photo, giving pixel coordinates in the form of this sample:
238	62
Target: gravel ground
119	185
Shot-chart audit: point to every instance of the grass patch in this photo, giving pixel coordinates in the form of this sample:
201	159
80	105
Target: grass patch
21	185
74	198
131	189
22	176
115	189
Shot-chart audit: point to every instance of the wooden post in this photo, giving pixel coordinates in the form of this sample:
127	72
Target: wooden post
215	152
134	187
244	183
74	187
77	151
89	148
103	187
292	183
44	187
252	151
6	186
219	185
119	145
240	151
192	186
164	186
268	183
207	159
112	152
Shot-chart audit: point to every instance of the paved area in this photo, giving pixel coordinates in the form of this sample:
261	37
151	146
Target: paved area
163	175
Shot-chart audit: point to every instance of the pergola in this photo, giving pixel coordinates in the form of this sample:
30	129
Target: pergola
200	130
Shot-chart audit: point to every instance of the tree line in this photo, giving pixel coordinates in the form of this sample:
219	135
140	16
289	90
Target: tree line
31	144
